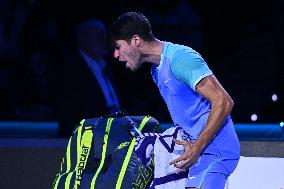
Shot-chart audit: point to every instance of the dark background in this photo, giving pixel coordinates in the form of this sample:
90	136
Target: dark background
242	43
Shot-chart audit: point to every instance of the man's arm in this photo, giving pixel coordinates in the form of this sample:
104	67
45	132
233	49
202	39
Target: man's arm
221	106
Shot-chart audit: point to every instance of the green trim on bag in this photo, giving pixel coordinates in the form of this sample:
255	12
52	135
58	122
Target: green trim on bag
108	126
68	159
129	153
69	176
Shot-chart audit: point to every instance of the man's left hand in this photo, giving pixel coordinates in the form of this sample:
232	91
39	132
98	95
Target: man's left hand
191	154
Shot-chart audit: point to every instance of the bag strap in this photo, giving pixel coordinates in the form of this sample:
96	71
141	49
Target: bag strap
107	130
129	153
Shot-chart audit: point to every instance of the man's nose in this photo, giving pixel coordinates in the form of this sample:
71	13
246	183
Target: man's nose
116	54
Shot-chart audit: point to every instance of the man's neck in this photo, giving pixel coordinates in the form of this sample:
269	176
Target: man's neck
153	51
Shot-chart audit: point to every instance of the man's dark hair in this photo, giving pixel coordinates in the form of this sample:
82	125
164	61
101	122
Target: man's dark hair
129	24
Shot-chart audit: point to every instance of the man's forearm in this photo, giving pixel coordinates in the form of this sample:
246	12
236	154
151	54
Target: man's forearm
219	111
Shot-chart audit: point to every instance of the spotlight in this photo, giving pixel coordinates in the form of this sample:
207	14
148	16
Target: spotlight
253	117
281	124
274	97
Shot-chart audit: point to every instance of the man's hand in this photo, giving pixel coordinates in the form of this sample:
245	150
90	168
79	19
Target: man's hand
191	154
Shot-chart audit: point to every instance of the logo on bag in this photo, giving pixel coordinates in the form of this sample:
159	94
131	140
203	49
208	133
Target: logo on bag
82	162
123	145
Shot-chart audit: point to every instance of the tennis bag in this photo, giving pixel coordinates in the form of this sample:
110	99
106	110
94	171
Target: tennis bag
100	154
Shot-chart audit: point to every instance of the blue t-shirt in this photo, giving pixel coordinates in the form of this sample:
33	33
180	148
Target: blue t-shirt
181	68
189	67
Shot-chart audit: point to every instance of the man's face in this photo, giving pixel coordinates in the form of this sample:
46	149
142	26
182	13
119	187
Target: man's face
128	53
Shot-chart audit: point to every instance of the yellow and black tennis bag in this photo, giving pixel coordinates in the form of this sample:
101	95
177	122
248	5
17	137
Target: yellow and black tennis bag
100	154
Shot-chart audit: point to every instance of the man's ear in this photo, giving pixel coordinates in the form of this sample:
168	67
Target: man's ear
136	40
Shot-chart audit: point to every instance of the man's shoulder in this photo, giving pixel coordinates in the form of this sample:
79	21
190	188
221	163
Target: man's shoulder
176	51
179	47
